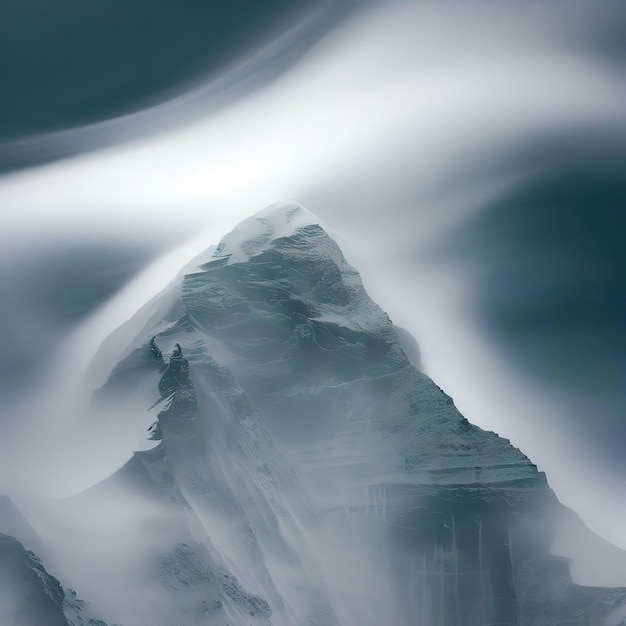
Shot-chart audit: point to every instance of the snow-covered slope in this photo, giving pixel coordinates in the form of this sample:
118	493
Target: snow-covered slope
305	472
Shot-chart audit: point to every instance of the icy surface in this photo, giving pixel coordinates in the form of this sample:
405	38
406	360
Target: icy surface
254	235
304	471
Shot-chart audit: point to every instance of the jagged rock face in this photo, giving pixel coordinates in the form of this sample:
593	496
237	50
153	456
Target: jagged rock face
316	476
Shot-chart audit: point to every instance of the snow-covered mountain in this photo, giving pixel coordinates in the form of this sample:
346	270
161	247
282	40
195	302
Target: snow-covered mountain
304	471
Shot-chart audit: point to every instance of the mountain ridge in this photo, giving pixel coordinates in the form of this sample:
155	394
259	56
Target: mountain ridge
306	471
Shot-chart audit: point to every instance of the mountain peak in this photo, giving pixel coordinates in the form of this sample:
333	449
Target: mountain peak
254	234
304	456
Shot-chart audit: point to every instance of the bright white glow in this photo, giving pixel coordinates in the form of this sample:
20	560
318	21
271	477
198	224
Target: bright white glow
339	110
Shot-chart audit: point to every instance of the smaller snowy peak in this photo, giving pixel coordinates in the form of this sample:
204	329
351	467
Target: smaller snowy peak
28	594
255	234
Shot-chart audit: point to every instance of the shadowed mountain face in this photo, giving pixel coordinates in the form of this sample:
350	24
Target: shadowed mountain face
306	472
71	63
28	594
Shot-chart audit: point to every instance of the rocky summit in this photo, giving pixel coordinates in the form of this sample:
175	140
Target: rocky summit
304	472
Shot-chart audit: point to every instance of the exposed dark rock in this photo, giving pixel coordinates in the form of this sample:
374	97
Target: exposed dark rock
129	372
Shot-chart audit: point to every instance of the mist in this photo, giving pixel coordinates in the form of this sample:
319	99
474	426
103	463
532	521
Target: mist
430	141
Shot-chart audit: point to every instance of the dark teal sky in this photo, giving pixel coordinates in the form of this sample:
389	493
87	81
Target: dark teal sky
546	260
70	62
